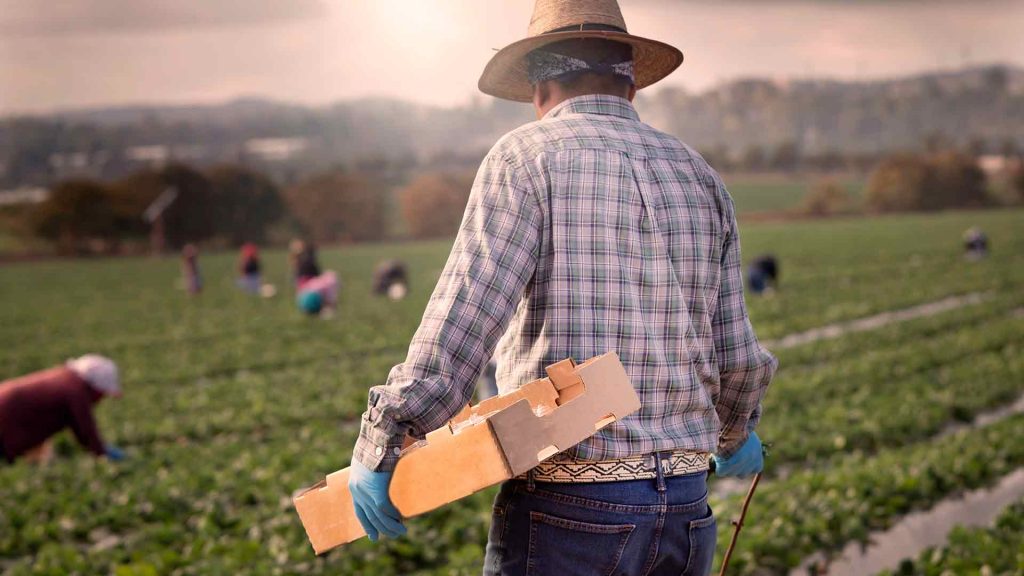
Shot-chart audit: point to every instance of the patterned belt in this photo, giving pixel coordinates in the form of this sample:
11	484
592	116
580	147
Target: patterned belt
633	468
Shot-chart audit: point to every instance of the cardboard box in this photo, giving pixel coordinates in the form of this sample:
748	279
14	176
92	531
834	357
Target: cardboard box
496	440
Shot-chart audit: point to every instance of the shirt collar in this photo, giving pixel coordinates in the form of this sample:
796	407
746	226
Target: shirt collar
601	104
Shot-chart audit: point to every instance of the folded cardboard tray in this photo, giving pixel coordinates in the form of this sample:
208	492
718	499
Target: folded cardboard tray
496	440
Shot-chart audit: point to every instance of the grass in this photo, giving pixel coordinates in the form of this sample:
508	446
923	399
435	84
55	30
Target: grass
755	194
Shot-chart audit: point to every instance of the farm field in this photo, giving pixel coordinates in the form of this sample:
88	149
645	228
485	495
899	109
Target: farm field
755	194
232	403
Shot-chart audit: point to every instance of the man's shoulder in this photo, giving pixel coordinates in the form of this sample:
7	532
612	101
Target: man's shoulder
579	131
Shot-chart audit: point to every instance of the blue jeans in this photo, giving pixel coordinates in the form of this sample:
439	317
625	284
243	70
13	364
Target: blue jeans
661	526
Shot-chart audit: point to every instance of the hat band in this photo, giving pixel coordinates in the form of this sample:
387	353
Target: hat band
587	27
542	65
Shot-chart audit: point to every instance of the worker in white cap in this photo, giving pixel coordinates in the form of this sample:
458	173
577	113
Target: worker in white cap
37	406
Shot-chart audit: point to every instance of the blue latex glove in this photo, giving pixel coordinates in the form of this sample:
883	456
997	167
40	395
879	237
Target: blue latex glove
747	461
373	505
113	453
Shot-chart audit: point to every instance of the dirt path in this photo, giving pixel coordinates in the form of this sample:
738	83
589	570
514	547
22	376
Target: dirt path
877	321
919	530
725	487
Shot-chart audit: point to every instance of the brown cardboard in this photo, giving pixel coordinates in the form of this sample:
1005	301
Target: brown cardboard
483	445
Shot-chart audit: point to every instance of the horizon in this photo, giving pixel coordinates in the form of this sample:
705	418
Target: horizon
267	99
91	54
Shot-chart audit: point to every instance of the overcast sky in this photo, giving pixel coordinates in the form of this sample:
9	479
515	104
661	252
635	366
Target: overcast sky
79	53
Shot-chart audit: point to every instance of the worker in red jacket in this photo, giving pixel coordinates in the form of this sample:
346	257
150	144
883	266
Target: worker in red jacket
36	406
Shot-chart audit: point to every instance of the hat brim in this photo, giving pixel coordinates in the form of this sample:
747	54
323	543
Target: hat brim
505	75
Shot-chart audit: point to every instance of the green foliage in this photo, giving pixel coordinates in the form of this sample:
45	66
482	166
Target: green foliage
76	213
191	217
825	507
228	203
246	204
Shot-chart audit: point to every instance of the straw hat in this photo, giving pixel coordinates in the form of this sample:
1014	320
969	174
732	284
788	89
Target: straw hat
557	20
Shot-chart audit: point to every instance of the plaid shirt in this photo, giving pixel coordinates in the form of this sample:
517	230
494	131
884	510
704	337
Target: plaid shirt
587	232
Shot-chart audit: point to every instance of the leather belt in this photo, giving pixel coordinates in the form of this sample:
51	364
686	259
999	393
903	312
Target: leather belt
633	468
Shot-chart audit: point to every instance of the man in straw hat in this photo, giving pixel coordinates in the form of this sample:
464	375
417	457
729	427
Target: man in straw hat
588	231
36	406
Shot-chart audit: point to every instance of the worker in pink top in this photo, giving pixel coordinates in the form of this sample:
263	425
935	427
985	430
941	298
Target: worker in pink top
37	406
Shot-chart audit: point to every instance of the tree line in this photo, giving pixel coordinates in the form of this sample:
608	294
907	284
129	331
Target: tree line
228	205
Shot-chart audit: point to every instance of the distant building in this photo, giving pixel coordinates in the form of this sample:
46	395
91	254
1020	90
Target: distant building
275	149
992	164
24	195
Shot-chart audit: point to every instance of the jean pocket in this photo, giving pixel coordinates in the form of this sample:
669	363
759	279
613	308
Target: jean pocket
563	547
703	534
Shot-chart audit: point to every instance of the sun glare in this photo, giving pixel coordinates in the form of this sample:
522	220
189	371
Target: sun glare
416	19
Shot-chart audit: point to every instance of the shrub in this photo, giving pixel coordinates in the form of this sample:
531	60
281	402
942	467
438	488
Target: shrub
1017	186
433	203
338	206
247	204
192	216
76	215
826	198
934	182
957	182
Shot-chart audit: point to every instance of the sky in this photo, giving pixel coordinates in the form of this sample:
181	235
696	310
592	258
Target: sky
90	53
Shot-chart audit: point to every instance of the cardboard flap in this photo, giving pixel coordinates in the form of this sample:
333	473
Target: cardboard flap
420	483
539	393
565	379
328	514
607	395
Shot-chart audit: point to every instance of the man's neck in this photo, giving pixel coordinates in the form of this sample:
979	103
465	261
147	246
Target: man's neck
549	95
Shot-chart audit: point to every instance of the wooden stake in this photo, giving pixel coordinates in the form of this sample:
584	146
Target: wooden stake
738	523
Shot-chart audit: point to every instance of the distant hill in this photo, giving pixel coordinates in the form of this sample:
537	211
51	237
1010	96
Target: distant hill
291	141
848	117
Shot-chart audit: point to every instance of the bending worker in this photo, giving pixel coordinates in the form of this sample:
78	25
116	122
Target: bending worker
36	406
588	231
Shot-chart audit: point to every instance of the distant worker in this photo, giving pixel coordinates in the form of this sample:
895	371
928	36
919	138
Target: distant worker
190	269
319	295
763	274
295	249
35	407
249	269
975	243
390	279
305	263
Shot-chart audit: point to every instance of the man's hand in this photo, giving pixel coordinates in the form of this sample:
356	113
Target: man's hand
747	461
113	453
373	505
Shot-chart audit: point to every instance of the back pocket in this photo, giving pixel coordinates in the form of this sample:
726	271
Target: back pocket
703	537
569	547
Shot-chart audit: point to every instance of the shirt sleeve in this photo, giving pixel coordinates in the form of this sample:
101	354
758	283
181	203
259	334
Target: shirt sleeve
84	426
745	367
491	263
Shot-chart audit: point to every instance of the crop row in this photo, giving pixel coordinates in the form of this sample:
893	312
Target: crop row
823	508
868	387
997	549
891	397
898	334
786	312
